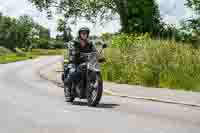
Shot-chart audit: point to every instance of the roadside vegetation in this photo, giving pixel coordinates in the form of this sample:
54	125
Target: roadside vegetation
22	38
7	56
140	60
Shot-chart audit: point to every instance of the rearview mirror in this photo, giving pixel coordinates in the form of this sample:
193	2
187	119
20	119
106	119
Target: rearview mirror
65	44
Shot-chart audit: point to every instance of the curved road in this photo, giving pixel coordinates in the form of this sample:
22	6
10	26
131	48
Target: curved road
29	104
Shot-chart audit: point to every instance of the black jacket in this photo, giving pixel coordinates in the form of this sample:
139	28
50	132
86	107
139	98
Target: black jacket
74	51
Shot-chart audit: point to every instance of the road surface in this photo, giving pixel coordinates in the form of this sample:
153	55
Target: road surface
29	104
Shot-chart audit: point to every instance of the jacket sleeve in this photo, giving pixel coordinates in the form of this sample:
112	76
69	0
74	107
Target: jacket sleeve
94	49
72	52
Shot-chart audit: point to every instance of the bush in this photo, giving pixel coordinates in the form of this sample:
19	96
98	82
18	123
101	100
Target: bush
43	44
4	51
139	60
20	52
47	44
56	44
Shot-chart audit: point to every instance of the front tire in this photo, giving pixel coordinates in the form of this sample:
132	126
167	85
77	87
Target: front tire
95	93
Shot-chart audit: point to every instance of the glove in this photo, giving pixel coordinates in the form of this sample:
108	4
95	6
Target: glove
102	60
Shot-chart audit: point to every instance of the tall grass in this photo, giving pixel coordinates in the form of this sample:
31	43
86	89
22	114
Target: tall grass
140	60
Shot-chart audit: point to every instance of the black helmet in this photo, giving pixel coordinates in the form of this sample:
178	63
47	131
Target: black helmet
84	29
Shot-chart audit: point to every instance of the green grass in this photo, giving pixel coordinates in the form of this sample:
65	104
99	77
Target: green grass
8	56
153	63
13	58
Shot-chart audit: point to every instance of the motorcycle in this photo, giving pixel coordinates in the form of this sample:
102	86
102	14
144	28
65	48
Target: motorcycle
90	85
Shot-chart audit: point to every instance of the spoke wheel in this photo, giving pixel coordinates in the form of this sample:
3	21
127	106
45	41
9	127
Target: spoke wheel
95	90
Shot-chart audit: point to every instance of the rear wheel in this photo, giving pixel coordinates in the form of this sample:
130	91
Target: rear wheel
95	89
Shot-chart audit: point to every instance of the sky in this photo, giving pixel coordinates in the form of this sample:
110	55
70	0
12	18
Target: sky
172	12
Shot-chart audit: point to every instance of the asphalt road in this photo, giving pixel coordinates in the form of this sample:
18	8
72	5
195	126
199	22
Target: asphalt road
29	104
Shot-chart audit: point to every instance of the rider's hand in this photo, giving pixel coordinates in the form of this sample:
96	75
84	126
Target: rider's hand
102	60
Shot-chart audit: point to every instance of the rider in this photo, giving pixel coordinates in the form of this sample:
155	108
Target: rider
75	47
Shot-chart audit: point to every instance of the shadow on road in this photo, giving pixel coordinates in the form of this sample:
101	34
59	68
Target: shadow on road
101	105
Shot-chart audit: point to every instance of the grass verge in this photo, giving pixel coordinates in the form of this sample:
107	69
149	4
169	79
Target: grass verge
14	57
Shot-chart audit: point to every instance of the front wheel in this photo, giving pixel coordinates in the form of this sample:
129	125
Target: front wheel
95	89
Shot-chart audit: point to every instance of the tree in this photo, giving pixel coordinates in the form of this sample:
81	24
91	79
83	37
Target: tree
8	32
194	23
24	27
194	4
144	16
135	15
44	32
66	31
61	25
21	32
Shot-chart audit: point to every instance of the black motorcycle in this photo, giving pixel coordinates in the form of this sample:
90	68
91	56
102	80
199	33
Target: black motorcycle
90	85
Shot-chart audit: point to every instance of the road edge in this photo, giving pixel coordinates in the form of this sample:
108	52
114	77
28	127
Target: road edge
117	94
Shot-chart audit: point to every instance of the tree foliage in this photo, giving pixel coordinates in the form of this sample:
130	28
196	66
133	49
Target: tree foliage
8	33
194	4
21	32
135	15
194	23
66	31
143	16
